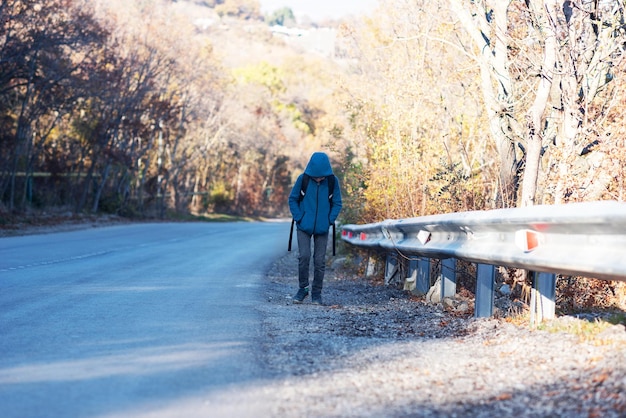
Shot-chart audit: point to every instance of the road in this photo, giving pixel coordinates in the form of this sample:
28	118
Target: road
146	319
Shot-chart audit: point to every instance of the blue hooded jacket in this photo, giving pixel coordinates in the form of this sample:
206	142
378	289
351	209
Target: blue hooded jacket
314	214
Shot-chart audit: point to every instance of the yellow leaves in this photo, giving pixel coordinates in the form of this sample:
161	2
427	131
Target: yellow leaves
221	193
263	74
395	181
297	117
416	101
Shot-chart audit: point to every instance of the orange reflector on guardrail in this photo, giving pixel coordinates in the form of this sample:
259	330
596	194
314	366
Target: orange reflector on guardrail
527	239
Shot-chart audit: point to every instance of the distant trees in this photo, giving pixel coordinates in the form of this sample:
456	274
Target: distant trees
126	110
281	17
244	9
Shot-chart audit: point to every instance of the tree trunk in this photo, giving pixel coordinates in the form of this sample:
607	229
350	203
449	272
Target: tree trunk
83	199
105	176
536	114
486	22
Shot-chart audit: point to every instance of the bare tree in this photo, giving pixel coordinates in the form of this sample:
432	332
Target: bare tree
43	52
486	22
560	54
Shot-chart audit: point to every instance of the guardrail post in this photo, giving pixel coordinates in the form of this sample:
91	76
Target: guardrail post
485	284
545	285
422	284
370	269
391	267
409	282
448	277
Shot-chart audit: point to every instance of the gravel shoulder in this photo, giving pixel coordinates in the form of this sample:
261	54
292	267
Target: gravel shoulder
377	350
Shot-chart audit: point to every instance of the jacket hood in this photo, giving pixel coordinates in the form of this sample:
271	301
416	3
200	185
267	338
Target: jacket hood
319	165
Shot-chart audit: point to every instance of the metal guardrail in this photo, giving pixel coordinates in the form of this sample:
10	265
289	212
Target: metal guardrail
579	239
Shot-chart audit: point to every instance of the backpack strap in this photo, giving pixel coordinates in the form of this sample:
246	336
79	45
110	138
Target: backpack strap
331	188
303	186
305	183
331	191
293	221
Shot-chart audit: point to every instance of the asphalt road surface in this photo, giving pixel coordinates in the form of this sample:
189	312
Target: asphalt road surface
139	320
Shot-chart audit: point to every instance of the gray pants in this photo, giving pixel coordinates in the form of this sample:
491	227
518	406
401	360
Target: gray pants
319	260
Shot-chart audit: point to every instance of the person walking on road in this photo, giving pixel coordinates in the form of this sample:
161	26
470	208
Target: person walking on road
315	203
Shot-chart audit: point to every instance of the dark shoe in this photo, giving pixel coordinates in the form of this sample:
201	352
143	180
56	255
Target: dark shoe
303	292
316	299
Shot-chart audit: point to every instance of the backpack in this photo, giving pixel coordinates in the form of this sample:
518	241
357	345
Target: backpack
305	183
303	186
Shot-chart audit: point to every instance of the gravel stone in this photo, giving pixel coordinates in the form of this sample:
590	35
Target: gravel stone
376	350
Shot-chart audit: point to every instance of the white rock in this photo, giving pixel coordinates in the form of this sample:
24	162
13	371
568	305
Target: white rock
463	307
434	294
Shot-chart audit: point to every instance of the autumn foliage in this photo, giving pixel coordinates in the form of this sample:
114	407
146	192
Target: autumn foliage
140	109
125	107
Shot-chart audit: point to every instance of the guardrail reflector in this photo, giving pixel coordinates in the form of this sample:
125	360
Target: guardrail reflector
527	239
344	232
424	237
363	236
